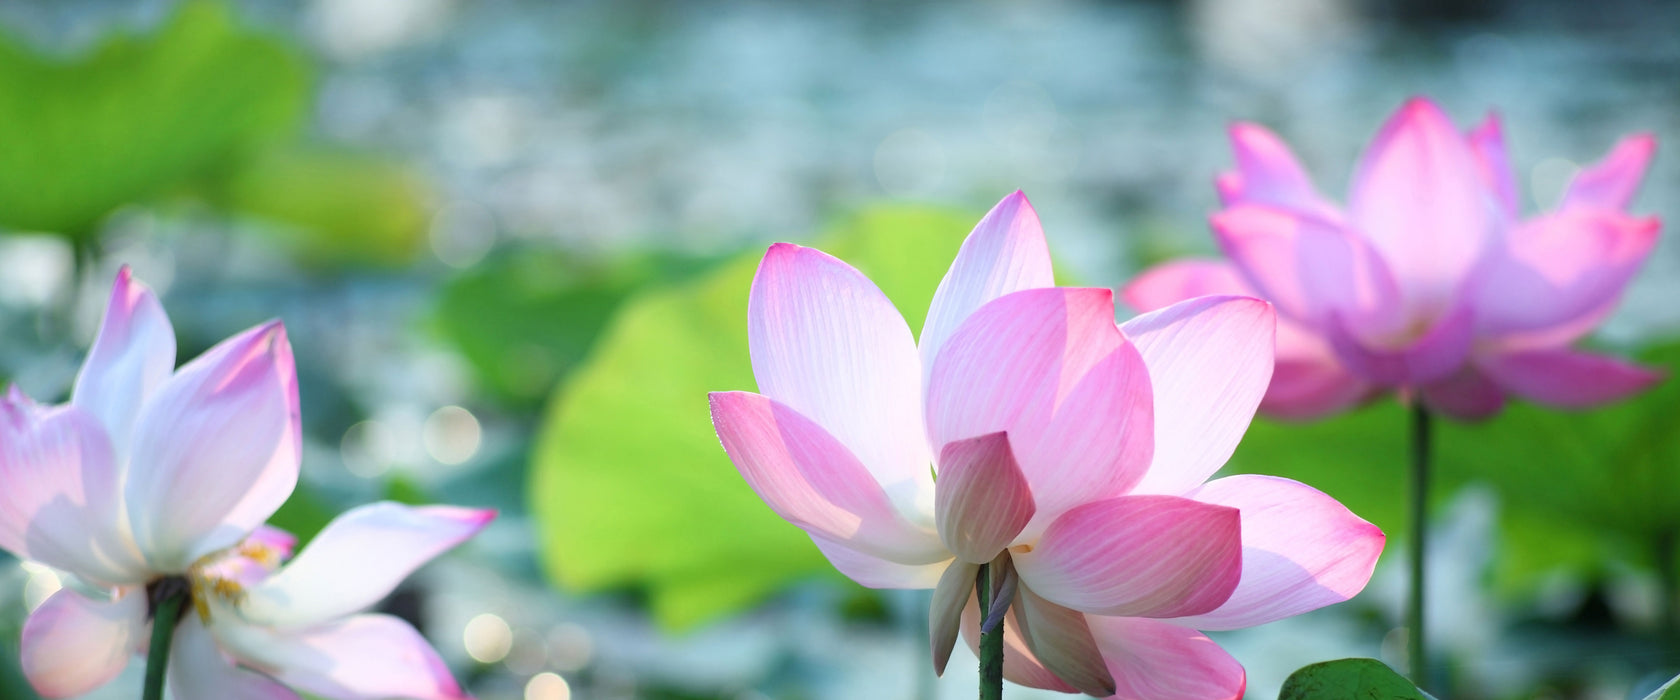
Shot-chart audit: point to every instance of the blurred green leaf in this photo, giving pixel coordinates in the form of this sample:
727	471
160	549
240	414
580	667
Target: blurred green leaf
628	483
334	208
524	319
1348	679
137	116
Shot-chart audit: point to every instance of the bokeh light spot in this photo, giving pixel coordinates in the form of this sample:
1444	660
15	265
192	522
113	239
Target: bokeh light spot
451	435
487	638
547	686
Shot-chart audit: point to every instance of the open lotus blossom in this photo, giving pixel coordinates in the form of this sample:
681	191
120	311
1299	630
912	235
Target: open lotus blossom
1429	280
154	479
1029	432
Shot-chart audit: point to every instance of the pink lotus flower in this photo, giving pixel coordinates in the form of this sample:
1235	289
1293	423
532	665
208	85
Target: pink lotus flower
1067	450
1429	281
155	477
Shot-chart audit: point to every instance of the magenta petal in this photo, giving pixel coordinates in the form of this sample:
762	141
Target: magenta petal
364	656
814	482
1050	368
1210	361
955	588
133	356
1611	183
1162	661
1487	146
205	446
1556	269
1169	283
1263	243
1420	198
827	343
1267	173
72	645
60	503
1005	253
1061	640
1301	550
874	572
1467	394
357	560
981	500
199	670
1439	353
1310	268
1144	556
1568	379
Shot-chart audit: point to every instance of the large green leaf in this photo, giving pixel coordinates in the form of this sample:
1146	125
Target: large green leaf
138	116
1348	679
628	483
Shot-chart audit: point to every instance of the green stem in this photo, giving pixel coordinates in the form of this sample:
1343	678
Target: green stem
1417	654
1668	586
991	643
163	631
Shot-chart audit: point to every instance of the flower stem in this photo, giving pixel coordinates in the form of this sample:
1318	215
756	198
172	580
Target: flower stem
168	615
1668	586
991	643
1416	653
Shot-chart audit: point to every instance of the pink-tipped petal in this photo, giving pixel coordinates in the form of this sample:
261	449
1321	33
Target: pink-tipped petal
1467	394
827	343
1420	198
357	560
1267	173
1566	378
1308	380
1439	353
1553	270
205	445
1301	550
133	355
1005	253
199	670
60	503
1049	367
955	588
982	499
1487	146
811	480
1169	283
363	656
1061	640
72	645
1210	361
1142	556
1020	666
278	479
1162	661
871	571
1611	183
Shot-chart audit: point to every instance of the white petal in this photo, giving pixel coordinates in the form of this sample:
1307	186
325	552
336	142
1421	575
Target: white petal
357	560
